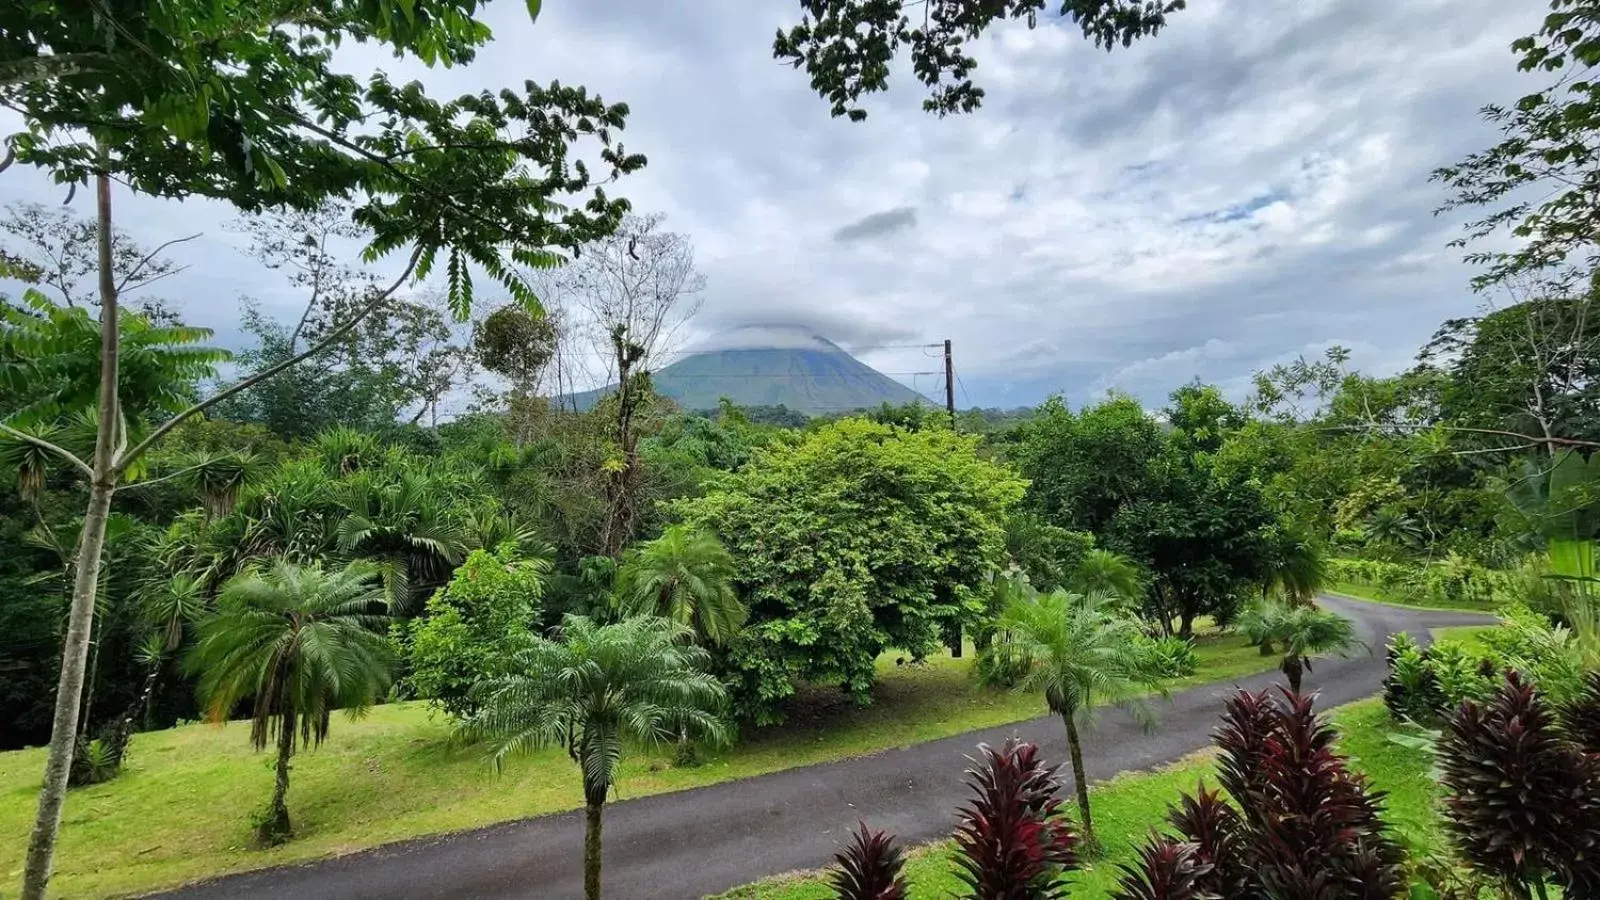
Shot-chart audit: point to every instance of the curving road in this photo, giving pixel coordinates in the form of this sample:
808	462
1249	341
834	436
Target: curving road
706	840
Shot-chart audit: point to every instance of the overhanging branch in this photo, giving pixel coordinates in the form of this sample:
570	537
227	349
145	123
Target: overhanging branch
125	459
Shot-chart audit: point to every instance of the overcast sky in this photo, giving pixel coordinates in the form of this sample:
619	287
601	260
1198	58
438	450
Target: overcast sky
1248	186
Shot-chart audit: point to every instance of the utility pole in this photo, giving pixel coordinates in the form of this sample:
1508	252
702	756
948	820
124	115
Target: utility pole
950	407
949	385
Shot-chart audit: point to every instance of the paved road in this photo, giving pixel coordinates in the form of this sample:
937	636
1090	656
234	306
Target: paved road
696	842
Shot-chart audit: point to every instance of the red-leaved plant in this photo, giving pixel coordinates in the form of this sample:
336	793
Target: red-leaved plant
870	868
1523	801
1306	826
1581	717
1012	841
1167	870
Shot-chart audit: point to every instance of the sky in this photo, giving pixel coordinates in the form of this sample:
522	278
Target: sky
1248	186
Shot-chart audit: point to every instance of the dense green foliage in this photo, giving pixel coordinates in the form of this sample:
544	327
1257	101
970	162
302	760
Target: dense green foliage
474	627
853	538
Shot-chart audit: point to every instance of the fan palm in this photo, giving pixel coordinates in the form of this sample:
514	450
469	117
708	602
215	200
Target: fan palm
297	642
1080	653
1295	567
1108	573
407	527
1303	632
685	575
592	688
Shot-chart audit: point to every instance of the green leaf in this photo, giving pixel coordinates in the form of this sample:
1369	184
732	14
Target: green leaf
533	9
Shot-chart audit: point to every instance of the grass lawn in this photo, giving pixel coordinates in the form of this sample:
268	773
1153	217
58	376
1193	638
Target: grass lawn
1129	806
1469	636
1362	591
182	809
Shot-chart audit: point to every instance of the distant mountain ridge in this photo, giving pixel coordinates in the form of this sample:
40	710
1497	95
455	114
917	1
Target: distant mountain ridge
768	366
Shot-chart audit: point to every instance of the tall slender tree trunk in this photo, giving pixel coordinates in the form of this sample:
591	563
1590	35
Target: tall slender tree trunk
91	545
1294	669
1080	783
591	850
1186	625
96	633
276	828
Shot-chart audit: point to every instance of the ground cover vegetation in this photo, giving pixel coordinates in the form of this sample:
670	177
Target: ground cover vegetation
309	540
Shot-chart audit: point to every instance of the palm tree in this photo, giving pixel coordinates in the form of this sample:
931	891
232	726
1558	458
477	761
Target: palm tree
1109	573
590	689
1302	632
407	526
297	642
1295	568
1080	653
685	575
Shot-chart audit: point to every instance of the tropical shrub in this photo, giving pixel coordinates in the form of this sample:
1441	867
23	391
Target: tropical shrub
1301	632
1410	690
848	540
871	867
1523	802
1453	580
1012	840
1302	823
1425	685
473	629
1171	655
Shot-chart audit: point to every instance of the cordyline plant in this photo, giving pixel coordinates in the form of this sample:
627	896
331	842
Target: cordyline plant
1305	825
1012	843
1581	717
1523	802
871	867
1013	840
240	101
1166	870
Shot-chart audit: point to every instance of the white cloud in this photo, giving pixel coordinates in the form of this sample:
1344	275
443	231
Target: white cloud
1251	181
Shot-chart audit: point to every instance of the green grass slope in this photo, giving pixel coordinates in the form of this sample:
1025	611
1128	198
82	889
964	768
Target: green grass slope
182	810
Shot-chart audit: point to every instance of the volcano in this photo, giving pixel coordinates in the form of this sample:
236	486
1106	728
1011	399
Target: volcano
769	366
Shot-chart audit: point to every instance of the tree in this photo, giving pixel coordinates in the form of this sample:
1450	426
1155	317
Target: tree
686	576
1083	468
1541	175
851	539
846	46
474	628
516	345
1295	567
211	99
1301	631
1047	554
58	248
391	365
591	689
297	643
634	288
1108	573
1523	376
1080	654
